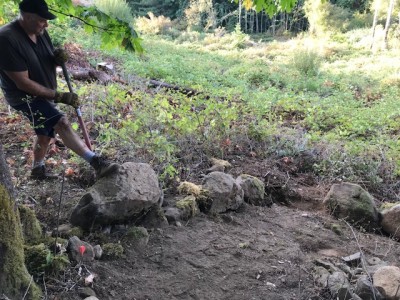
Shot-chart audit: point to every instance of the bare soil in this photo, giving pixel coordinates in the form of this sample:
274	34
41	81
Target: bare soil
254	253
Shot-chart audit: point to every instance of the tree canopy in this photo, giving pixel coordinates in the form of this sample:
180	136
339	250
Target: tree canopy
270	7
116	32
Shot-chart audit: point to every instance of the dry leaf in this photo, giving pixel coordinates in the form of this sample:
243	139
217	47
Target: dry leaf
69	172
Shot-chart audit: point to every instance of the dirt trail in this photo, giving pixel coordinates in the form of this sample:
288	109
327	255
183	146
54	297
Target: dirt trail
256	253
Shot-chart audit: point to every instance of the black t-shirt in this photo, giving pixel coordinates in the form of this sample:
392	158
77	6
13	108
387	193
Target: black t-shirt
19	53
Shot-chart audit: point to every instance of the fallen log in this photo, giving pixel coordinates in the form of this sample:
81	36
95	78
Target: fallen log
104	78
183	90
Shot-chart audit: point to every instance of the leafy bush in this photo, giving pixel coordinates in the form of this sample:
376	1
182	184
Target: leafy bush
8	12
61	30
116	8
153	24
307	62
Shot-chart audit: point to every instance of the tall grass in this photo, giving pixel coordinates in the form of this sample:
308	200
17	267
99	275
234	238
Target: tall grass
116	8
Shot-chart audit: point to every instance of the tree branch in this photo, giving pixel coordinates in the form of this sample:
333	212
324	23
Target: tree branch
84	21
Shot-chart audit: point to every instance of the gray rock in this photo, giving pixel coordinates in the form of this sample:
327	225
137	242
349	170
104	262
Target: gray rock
98	252
223	193
391	221
354	259
172	214
254	190
365	290
85	292
73	249
373	261
351	202
320	276
327	265
139	238
120	197
339	286
387	280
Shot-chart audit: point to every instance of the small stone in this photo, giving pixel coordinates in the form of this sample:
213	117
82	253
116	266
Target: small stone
85	292
374	261
98	251
354	259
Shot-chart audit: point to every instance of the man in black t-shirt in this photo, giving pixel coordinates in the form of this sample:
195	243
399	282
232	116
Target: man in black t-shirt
28	79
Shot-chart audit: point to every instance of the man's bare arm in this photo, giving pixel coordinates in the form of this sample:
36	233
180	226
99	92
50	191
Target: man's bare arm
24	83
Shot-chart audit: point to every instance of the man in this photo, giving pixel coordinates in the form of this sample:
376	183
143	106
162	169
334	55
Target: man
28	80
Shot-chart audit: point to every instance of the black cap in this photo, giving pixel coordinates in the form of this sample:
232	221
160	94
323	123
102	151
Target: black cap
38	7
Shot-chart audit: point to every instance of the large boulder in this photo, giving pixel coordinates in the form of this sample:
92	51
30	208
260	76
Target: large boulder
387	280
351	202
391	221
254	190
120	197
223	193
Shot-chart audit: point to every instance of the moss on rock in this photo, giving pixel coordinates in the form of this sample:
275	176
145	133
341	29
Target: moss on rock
188	188
189	207
136	233
14	276
36	258
113	251
40	259
30	225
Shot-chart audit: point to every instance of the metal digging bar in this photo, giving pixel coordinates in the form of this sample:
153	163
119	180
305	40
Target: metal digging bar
78	110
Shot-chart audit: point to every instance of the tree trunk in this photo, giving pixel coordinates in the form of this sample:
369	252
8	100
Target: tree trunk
240	14
387	25
5	177
257	29
273	25
15	281
245	21
375	22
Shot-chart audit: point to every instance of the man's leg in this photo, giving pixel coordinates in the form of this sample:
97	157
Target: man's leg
39	149
39	152
71	140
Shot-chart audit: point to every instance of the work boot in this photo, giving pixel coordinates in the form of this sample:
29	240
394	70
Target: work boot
103	167
40	173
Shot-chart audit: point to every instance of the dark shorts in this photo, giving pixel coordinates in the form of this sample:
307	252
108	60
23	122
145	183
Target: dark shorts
42	114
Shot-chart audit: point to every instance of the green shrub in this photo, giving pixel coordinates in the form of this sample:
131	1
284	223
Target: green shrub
307	62
40	260
116	8
113	251
8	12
153	24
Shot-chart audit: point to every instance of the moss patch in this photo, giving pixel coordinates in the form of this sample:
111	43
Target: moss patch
188	188
189	206
137	233
14	277
39	260
388	205
35	258
30	225
113	251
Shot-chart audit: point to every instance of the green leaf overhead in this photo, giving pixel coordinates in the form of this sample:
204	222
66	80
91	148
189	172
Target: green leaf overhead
114	32
271	7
